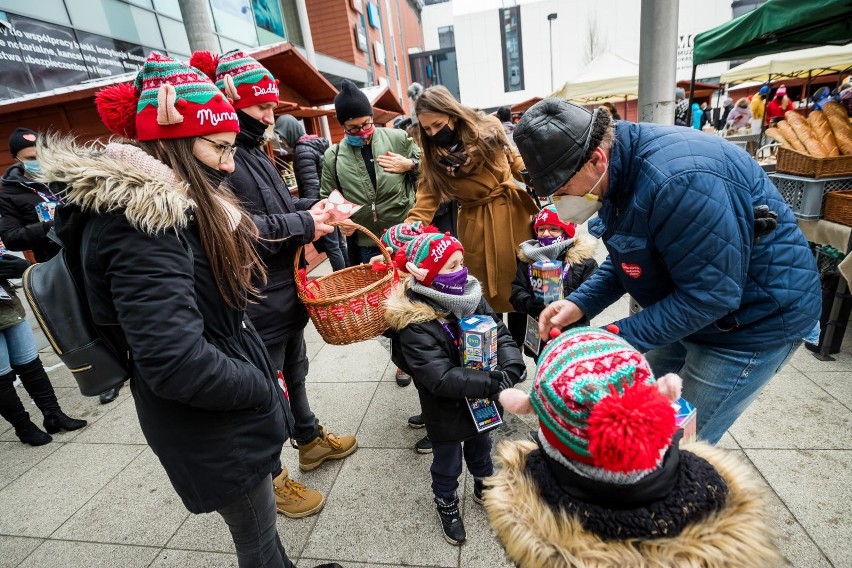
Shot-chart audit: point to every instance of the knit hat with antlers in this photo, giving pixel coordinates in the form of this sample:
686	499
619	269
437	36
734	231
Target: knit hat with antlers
168	99
245	81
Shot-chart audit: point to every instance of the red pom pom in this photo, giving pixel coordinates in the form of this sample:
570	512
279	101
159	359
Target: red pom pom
399	260
181	103
627	432
205	62
117	107
431	229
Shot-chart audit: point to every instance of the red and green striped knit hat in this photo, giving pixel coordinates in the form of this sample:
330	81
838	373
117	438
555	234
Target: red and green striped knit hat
245	81
427	254
597	404
398	236
167	100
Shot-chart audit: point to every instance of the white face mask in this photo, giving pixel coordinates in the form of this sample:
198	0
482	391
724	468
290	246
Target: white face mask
578	209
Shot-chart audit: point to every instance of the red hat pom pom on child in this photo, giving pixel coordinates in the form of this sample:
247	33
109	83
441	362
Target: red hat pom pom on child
205	62
628	432
399	259
117	107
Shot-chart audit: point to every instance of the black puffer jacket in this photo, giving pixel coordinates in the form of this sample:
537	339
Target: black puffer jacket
307	163
259	187
20	227
422	348
205	391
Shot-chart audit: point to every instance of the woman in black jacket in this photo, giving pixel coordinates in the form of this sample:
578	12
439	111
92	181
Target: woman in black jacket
168	262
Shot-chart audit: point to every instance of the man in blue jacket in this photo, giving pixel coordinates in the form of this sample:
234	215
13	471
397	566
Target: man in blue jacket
724	306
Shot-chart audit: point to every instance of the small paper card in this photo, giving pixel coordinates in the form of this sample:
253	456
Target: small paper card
4	295
532	340
338	208
484	413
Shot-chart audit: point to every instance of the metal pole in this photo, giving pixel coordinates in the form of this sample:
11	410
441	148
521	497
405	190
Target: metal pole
199	29
657	60
550	23
807	94
310	54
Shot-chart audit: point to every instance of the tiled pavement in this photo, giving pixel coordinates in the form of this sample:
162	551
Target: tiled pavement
99	498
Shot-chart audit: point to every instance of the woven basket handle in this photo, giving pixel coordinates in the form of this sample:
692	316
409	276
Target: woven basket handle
374	238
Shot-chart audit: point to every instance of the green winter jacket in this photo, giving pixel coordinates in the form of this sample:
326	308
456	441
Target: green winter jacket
389	202
11	311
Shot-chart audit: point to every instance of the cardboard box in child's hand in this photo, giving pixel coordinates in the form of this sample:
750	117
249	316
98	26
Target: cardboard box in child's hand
686	418
479	342
546	280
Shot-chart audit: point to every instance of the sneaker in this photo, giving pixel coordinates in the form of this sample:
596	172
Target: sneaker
326	446
478	490
416	421
451	521
403	379
294	500
423	445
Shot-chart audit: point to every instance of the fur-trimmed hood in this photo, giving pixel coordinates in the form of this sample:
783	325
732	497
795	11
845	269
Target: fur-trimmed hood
583	248
536	536
401	311
116	177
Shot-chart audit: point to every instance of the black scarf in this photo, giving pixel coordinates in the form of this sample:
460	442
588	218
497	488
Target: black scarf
252	131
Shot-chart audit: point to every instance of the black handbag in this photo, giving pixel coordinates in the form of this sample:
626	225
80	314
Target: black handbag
57	298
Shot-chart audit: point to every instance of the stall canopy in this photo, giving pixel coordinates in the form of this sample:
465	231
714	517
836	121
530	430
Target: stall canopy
609	77
775	27
792	65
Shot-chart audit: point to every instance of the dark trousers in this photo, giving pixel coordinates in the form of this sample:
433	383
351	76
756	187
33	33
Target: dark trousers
516	322
447	463
334	246
251	520
291	357
358	254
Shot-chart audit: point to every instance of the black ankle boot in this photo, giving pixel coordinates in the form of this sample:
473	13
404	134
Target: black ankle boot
451	521
37	383
58	420
478	489
13	410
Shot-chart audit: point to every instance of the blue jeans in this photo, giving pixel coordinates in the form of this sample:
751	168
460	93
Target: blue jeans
720	382
251	520
17	346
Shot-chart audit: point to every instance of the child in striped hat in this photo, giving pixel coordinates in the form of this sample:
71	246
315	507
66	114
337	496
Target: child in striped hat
606	478
425	313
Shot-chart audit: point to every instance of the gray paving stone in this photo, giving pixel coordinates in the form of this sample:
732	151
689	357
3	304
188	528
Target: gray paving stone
203	533
309	562
138	506
118	426
482	549
312	349
39	501
340	418
380	510
804	361
792	412
193	559
19	458
837	384
312	336
816	486
385	423
728	442
89	555
13	549
364	361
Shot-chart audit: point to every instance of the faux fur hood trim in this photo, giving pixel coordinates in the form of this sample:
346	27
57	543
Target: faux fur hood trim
118	177
401	311
537	536
583	248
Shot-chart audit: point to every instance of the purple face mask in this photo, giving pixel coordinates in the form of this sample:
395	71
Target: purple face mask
547	241
451	283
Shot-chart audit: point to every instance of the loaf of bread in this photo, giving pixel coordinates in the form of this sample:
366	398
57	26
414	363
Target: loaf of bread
776	135
822	130
787	131
839	123
806	134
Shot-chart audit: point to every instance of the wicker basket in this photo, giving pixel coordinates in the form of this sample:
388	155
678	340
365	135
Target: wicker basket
792	162
347	306
838	207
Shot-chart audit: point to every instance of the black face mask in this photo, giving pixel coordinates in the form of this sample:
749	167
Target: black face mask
251	129
216	176
445	137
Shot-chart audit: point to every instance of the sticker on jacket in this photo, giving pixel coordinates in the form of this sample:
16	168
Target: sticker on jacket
632	270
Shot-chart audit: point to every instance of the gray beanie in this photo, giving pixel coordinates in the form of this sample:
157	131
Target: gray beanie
289	128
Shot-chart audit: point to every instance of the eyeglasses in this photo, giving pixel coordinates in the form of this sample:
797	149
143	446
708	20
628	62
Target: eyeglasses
227	150
357	129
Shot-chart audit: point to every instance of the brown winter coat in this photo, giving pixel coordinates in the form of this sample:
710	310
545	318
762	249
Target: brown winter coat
493	220
536	536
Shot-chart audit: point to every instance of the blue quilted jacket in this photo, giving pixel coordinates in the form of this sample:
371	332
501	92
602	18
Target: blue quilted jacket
678	223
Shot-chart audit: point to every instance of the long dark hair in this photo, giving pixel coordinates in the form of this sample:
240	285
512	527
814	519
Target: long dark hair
482	137
232	255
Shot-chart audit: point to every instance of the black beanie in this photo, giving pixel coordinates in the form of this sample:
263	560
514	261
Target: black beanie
22	138
351	103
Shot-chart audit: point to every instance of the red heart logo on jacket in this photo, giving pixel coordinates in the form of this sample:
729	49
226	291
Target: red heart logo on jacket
632	270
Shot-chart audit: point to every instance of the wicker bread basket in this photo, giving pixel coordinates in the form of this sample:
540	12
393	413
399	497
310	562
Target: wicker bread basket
796	163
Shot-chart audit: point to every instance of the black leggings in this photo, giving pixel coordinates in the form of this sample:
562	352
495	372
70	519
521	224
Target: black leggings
251	519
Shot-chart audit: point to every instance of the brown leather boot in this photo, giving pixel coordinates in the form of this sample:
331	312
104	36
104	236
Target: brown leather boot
326	446
294	500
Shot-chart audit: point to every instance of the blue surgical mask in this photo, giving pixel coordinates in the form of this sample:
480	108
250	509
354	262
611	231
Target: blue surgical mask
355	141
32	167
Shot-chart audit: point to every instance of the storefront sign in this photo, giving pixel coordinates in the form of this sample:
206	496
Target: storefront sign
361	38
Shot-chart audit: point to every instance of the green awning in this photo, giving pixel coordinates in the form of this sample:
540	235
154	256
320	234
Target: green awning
778	25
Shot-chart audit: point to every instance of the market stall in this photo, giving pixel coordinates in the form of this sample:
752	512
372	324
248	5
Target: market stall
607	78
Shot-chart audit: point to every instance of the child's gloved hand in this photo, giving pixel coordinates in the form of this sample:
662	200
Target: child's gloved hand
503	379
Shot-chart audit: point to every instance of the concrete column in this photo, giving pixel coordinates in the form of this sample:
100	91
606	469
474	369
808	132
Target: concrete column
199	28
310	54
